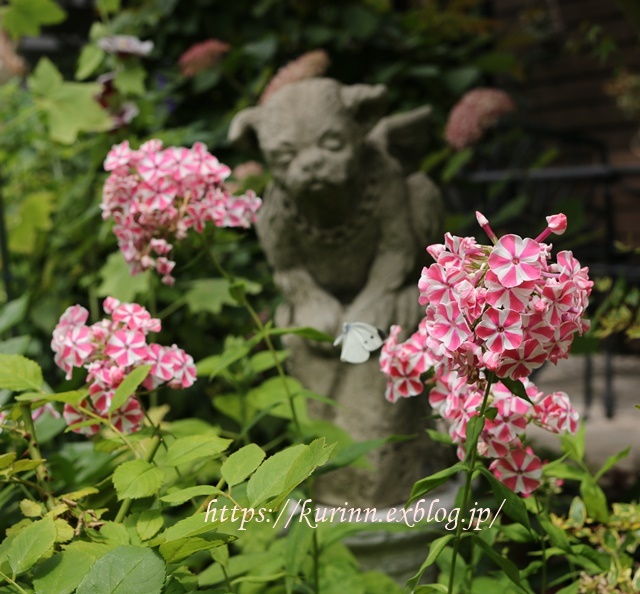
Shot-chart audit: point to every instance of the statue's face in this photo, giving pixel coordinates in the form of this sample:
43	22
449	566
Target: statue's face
310	142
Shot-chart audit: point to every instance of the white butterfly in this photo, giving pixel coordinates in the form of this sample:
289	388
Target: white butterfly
358	341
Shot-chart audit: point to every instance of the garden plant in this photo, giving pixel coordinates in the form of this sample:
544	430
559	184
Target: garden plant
151	437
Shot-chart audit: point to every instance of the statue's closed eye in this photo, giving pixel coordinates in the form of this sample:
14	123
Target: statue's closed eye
331	141
282	157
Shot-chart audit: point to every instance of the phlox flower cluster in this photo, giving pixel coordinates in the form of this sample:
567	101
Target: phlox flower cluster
110	350
502	438
156	196
505	309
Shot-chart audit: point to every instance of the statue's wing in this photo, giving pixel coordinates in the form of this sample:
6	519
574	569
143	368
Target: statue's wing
405	136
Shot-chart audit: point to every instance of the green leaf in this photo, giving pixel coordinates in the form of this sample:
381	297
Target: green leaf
128	386
516	387
108	6
212	294
265	360
242	463
423	486
513	506
70	107
460	79
510	570
62	573
24	17
474	429
118	282
125	570
149	522
557	535
314	455
32	219
611	462
455	163
13	313
435	549
16	345
7	459
195	447
177	550
91	57
574	444
594	500
284	471
179	497
31	544
439	436
213	365
136	479
18	373
130	79
72	397
303	332
30	509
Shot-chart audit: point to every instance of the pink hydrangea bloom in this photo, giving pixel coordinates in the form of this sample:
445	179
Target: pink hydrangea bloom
156	196
476	112
109	350
202	56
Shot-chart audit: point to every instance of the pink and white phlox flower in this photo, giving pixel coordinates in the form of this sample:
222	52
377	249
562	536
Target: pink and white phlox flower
515	260
501	329
520	470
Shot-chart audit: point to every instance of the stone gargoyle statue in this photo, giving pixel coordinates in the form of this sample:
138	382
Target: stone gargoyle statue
344	225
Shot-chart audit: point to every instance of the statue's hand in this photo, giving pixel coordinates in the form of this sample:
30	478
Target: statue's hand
378	310
322	312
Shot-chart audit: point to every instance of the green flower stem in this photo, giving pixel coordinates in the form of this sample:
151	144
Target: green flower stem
12	582
126	504
265	335
34	452
472	455
544	551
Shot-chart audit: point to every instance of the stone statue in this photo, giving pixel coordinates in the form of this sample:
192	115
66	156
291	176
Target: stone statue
344	225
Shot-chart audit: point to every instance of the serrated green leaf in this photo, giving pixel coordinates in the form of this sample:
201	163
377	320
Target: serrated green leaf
177	550
149	523
62	573
30	509
128	386
31	544
125	570
136	479
195	447
179	497
284	471
64	531
18	373
242	463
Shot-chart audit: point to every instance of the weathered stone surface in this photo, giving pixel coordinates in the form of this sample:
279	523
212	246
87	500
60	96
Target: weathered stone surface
345	225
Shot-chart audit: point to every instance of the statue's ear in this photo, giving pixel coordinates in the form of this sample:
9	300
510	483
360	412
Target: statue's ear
242	130
367	103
